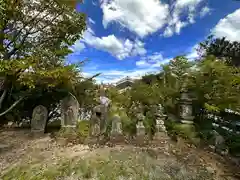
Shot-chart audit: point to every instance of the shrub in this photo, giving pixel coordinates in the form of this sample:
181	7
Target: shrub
184	131
128	125
83	127
233	144
150	124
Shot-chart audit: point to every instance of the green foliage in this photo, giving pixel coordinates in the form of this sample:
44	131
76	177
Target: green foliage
85	92
175	75
145	94
216	85
120	99
184	131
83	128
150	78
221	48
128	124
33	56
233	144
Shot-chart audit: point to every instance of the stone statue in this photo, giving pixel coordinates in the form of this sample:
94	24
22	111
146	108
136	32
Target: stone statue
69	110
100	114
116	125
140	128
39	119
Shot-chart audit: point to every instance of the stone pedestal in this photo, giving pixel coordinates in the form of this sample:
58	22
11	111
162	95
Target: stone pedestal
39	119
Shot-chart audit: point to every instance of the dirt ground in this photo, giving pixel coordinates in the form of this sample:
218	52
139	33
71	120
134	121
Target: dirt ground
19	148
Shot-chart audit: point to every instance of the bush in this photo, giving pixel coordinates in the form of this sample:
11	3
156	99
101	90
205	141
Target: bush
150	124
233	144
128	125
83	127
184	131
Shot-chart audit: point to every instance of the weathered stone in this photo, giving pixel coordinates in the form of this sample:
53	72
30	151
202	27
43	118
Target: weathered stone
99	117
219	143
39	119
69	112
94	125
140	128
160	125
186	114
116	125
160	119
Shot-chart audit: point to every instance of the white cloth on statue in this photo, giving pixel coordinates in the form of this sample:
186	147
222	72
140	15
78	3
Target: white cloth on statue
104	101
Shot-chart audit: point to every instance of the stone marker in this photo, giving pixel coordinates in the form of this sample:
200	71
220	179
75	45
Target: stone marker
219	143
160	125
104	106
116	126
39	119
69	112
185	103
95	121
140	128
160	119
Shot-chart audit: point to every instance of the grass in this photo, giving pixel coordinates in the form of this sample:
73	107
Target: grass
185	131
116	164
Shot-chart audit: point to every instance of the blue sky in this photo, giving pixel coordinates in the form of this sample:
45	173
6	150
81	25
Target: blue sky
134	37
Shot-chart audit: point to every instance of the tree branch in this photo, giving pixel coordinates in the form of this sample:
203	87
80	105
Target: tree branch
11	107
3	97
24	26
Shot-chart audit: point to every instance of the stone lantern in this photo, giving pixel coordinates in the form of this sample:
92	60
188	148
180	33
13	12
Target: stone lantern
185	105
161	117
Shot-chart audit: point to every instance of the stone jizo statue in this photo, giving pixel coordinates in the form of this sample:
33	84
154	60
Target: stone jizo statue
39	119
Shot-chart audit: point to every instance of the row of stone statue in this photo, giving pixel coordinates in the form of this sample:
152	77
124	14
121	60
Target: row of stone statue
98	121
69	115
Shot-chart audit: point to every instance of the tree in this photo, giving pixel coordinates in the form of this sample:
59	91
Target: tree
34	39
216	85
150	78
31	26
71	3
222	49
173	76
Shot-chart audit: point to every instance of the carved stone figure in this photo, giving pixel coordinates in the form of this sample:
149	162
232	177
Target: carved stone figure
69	111
39	119
116	126
140	128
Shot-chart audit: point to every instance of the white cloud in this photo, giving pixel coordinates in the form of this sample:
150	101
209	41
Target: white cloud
117	47
193	54
113	75
142	63
177	19
205	11
168	32
91	21
229	27
147	17
152	61
77	47
139	16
